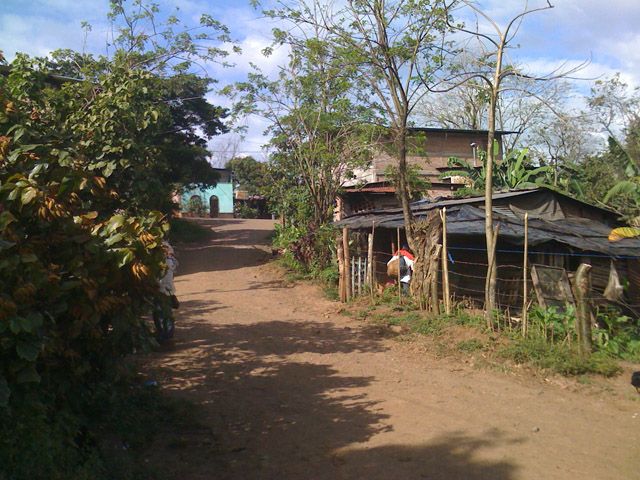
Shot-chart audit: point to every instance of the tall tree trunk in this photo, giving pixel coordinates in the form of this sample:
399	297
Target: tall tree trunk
492	276
403	193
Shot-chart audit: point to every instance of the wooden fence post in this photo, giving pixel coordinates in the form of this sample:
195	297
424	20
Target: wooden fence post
371	274
525	275
582	290
347	262
359	267
352	277
435	307
341	279
446	297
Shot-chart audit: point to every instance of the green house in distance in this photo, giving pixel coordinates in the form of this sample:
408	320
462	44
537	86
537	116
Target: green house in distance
214	202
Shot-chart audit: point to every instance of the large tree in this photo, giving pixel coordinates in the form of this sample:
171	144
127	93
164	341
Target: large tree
390	47
318	134
161	56
80	250
492	43
526	107
249	174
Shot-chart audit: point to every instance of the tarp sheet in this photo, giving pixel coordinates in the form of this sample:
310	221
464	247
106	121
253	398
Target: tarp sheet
467	220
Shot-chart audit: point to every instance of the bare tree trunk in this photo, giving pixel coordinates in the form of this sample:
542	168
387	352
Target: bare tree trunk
424	285
490	284
401	143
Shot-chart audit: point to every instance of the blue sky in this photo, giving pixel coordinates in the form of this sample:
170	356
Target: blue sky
607	33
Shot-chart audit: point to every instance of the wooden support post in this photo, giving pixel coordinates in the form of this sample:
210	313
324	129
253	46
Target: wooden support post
399	277
342	288
352	293
446	297
359	275
347	262
525	276
370	258
435	307
582	291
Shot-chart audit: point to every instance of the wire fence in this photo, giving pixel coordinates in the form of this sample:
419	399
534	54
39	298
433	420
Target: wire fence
467	275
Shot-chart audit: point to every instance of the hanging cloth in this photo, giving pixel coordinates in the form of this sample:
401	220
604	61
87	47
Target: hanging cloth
614	289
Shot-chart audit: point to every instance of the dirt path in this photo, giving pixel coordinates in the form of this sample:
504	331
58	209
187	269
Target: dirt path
288	389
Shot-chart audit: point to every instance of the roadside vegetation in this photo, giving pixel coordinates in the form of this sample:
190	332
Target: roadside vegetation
551	344
91	151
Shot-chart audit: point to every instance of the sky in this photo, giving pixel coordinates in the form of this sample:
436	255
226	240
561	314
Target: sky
605	34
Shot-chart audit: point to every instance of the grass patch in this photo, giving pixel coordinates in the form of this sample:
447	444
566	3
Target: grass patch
430	325
187	231
561	359
465	317
470	346
452	335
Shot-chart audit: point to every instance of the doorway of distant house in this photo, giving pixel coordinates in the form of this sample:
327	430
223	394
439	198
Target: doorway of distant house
214	206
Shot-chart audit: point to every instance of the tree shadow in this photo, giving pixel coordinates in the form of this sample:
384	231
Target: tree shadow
253	285
216	258
229	248
277	338
195	308
454	456
272	413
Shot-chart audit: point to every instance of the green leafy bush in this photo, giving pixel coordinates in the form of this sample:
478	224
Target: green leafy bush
196	207
552	324
618	335
79	258
243	210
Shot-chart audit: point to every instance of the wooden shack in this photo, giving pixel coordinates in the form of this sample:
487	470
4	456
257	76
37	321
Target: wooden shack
563	232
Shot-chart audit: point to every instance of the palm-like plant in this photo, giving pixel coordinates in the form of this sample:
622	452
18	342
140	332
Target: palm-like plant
514	172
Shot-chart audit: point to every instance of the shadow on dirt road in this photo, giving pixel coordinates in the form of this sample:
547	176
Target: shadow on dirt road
272	417
281	392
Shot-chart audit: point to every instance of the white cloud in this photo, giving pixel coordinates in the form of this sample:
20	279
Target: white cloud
252	54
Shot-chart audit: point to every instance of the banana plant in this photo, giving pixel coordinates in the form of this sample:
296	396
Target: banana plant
516	173
511	173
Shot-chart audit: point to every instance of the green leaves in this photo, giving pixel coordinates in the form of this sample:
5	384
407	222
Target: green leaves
513	172
28	194
6	218
115	222
28	374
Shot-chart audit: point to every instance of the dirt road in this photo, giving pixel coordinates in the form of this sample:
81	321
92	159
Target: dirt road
289	389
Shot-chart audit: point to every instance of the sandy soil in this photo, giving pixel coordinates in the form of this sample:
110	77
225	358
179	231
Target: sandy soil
287	388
